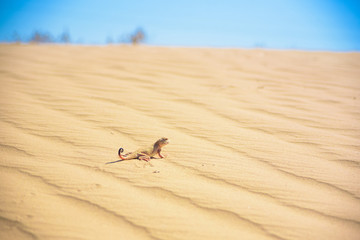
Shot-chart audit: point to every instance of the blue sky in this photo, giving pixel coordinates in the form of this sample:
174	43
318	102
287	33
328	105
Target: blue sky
282	24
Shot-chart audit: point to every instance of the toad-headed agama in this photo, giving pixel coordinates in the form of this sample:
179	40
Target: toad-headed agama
145	153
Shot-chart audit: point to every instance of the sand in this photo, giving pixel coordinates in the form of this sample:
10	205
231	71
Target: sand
265	144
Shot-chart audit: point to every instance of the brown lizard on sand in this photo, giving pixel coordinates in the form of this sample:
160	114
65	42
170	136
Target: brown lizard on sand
144	153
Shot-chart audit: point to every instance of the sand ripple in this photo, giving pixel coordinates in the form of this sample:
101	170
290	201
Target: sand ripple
264	144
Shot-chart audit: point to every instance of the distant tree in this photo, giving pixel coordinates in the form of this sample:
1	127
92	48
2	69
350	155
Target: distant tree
41	37
138	36
65	37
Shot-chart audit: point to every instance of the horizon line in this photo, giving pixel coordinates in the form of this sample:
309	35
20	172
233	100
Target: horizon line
178	46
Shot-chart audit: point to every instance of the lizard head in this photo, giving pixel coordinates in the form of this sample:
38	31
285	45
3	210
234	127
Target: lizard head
163	141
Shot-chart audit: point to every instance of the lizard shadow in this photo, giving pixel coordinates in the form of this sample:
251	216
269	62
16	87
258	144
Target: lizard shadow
120	160
115	161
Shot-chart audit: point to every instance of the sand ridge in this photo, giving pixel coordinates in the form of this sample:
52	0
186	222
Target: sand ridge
264	144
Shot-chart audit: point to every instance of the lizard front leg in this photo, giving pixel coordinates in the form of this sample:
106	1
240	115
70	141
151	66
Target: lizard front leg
159	153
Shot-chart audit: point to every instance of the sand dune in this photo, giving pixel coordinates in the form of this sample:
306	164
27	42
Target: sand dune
264	144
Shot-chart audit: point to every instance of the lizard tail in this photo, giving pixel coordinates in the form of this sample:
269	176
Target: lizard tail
119	153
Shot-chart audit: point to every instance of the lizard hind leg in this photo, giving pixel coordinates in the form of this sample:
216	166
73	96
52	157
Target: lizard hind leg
145	158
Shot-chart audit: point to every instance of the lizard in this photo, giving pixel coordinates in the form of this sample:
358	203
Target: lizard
144	153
